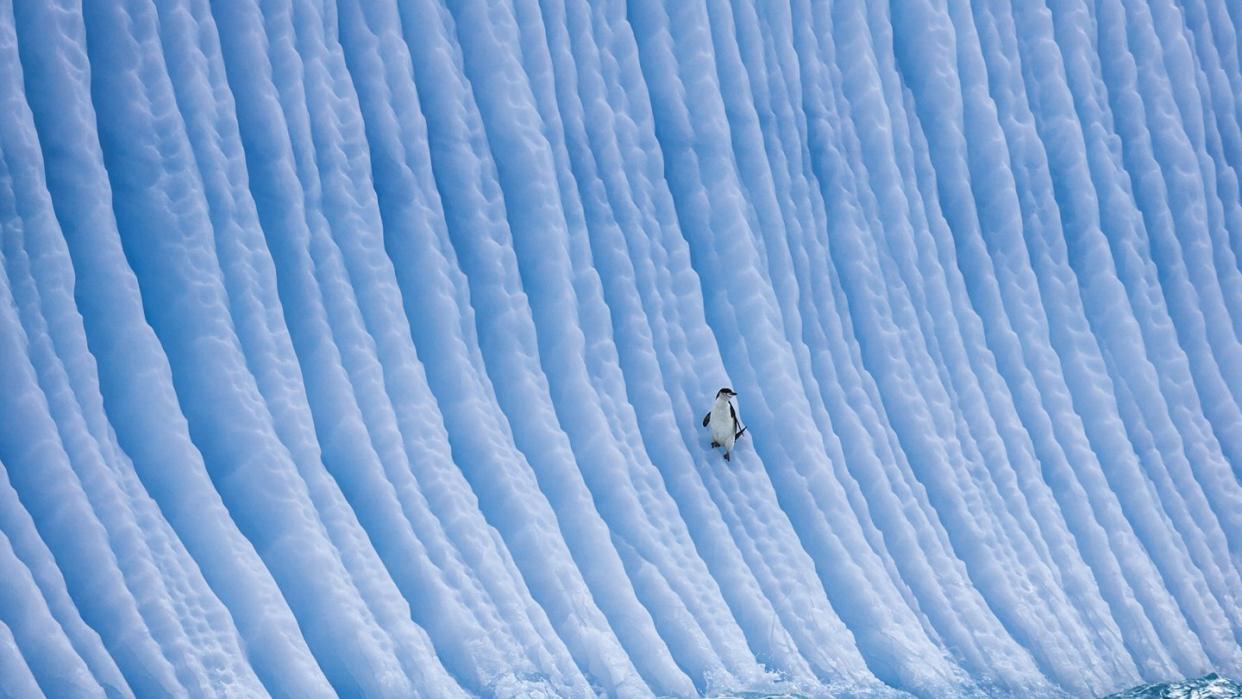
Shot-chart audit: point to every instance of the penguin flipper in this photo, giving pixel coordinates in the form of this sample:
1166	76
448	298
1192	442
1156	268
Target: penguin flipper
740	433
707	418
733	414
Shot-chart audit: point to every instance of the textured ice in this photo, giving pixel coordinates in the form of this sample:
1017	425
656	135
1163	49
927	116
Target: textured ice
360	348
1210	686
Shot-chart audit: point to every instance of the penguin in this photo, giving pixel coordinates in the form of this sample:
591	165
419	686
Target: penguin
723	421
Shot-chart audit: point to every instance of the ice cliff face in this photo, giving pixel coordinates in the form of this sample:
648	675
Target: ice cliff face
362	348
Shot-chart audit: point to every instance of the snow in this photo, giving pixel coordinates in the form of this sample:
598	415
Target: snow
361	348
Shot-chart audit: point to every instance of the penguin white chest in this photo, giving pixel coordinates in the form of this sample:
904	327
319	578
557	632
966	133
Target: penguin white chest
722	425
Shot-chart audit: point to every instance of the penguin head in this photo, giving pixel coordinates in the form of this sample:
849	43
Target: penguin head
725	393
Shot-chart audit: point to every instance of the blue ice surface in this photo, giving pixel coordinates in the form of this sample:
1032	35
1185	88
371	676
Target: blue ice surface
360	348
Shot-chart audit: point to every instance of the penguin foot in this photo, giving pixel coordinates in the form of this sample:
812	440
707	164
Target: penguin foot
714	445
727	457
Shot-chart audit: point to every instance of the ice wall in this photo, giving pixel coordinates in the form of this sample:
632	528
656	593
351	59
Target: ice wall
361	348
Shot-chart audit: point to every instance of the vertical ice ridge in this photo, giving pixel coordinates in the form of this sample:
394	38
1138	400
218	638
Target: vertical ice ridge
371	342
622	279
48	659
700	171
32	555
675	564
1027	443
77	534
469	194
231	448
1050	104
966	421
1075	215
854	407
1118	214
400	216
24	211
250	279
1218	402
1217	158
931	602
513	150
133	374
1174	147
65	370
19	678
121	513
1103	304
26	222
954	195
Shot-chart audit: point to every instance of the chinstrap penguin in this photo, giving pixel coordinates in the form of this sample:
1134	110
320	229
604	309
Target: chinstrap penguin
722	419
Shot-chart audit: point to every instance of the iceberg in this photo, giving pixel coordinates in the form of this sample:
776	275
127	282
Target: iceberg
360	347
